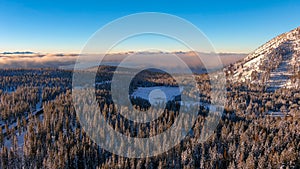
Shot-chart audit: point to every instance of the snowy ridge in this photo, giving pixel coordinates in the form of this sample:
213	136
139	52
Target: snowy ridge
274	65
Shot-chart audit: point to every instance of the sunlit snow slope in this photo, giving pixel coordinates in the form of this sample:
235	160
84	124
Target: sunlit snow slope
274	65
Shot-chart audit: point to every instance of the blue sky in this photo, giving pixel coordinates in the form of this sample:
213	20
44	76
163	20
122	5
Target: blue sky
65	26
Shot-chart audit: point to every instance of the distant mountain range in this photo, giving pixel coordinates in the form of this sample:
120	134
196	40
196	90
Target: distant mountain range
273	65
17	53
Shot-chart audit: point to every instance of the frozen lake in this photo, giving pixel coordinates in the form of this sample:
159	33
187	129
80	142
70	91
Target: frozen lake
157	94
160	94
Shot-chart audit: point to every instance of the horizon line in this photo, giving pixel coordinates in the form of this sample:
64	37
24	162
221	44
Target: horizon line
115	52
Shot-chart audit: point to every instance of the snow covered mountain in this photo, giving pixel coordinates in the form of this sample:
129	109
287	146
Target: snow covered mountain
274	65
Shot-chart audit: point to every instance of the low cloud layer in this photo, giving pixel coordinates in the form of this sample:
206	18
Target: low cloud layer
36	60
67	61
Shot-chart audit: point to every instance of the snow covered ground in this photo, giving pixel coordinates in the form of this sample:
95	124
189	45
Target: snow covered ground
276	114
280	76
20	138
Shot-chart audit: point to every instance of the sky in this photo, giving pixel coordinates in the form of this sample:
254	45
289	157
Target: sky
65	26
